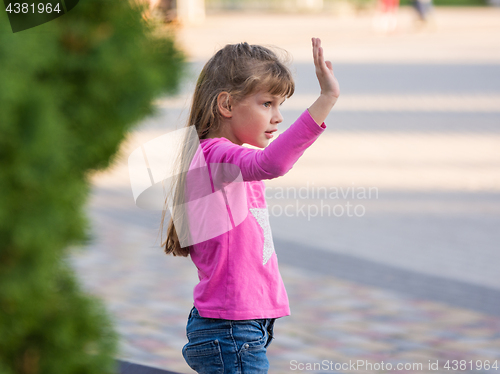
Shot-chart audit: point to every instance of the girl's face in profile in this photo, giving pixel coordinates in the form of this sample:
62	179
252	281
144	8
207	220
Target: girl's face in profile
255	118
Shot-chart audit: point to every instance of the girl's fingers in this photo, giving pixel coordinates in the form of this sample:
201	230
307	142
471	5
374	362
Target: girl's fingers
320	50
315	51
318	54
319	59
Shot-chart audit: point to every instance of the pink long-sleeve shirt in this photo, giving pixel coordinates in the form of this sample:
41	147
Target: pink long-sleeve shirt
231	242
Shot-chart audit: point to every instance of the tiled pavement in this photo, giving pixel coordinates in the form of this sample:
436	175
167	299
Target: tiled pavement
332	319
415	279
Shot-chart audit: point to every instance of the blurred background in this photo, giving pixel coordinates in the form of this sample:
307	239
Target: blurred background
411	272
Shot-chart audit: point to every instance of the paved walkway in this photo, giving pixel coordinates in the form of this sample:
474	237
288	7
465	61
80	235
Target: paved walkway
415	278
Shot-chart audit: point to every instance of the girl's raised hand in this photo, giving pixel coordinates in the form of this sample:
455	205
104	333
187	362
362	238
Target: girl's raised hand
330	89
324	71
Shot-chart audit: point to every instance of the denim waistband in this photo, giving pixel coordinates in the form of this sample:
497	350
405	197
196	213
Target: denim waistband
267	322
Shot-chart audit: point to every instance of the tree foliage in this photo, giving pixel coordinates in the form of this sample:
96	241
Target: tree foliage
70	89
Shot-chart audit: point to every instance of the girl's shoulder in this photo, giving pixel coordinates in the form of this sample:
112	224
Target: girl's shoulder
220	144
217	150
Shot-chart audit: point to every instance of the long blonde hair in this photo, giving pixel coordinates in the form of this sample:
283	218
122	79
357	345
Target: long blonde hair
241	70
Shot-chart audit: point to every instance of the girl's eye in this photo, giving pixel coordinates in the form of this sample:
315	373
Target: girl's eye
268	104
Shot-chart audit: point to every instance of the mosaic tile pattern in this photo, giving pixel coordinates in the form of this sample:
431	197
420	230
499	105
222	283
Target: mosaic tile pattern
150	295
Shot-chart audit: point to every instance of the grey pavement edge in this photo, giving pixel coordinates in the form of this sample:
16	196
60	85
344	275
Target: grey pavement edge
405	282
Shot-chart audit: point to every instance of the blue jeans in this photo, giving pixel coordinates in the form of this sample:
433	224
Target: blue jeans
220	346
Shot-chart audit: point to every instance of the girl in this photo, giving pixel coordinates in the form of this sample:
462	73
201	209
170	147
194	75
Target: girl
219	214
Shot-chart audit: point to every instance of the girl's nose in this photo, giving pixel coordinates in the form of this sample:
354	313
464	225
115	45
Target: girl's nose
277	118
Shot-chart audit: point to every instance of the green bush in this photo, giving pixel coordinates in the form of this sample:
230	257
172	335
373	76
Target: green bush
70	89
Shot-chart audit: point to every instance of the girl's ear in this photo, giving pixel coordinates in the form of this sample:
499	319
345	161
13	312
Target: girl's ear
224	101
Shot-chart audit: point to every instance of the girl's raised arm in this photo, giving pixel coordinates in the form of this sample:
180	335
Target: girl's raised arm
330	89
